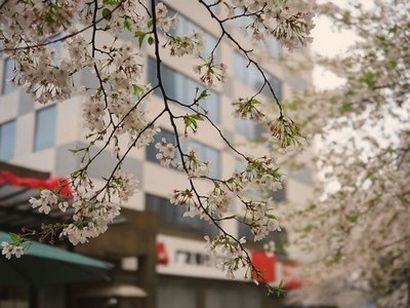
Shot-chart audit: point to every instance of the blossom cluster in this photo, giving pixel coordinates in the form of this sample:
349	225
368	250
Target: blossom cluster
166	153
92	210
210	71
289	21
10	249
234	256
282	128
185	45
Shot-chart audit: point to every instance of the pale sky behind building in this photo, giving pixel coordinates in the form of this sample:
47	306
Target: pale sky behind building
329	41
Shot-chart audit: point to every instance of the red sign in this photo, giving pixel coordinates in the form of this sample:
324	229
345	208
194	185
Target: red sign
162	254
266	265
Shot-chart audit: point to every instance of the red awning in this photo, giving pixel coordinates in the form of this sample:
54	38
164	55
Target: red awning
55	184
17	186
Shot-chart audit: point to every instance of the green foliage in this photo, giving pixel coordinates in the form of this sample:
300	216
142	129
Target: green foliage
141	36
191	122
204	94
351	217
370	79
275	173
15	239
136	89
346	107
111	2
49	18
127	23
106	14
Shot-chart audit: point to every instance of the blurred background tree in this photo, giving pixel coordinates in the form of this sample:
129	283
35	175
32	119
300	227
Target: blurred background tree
354	238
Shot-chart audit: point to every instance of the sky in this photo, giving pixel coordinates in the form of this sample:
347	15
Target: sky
328	41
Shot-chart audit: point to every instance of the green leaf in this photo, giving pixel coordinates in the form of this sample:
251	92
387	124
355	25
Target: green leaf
370	79
110	2
350	217
308	228
391	65
106	14
150	23
136	89
203	95
75	151
351	92
140	35
280	290
275	172
346	107
271	216
150	40
190	121
255	102
49	18
15	237
127	23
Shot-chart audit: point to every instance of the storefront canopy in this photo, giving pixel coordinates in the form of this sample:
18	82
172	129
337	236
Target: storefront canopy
44	265
17	185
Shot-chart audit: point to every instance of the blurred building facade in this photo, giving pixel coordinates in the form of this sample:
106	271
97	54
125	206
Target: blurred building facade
39	137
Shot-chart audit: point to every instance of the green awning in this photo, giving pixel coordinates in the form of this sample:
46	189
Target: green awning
46	265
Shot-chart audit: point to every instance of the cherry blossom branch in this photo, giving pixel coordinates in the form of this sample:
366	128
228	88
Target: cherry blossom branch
182	154
246	53
63	38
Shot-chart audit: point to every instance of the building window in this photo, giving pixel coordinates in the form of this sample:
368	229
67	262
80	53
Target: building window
247	128
279	195
56	47
242	22
273	47
45	128
206	154
252	77
7	140
171	216
278	237
8	75
184	89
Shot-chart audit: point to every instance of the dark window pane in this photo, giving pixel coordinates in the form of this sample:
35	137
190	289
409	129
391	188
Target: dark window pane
171	216
7	140
45	128
253	78
278	237
273	47
279	195
276	85
183	89
246	128
8	75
